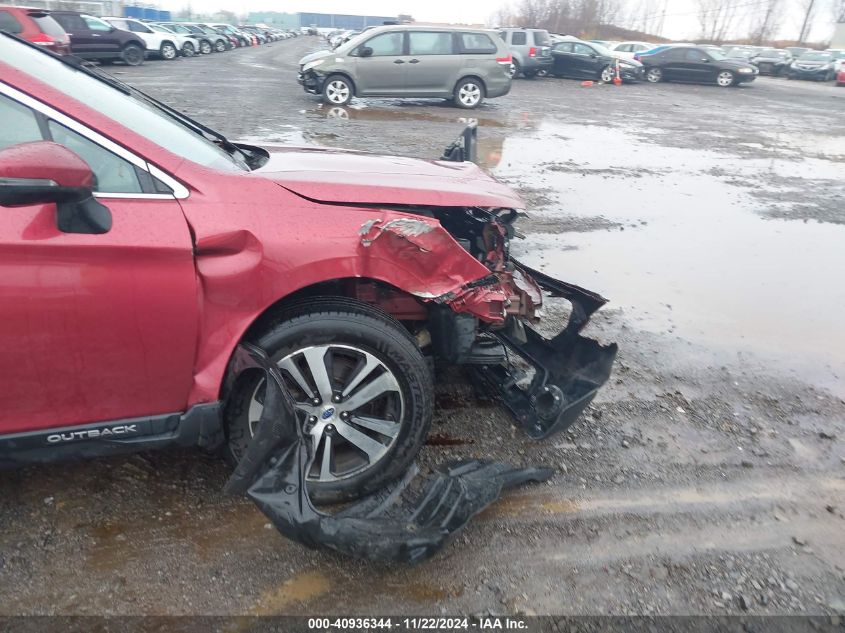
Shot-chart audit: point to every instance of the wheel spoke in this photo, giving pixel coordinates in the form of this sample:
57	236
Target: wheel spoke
385	427
381	385
326	463
316	359
366	370
289	366
355	437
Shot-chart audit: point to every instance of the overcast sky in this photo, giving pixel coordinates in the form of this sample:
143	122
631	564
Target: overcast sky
680	23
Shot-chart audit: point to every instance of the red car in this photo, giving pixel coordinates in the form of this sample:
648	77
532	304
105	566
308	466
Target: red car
139	250
840	77
36	26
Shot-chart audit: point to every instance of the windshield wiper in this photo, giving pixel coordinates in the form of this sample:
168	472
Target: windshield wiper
195	126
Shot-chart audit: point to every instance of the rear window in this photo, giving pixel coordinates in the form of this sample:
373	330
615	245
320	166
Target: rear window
477	44
541	38
519	38
9	23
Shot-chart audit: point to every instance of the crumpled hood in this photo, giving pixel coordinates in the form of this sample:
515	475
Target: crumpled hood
344	176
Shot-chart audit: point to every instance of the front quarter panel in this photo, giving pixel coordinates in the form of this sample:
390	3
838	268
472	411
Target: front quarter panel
263	243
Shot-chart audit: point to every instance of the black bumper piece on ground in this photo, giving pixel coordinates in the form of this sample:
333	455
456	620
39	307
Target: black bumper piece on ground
568	369
407	522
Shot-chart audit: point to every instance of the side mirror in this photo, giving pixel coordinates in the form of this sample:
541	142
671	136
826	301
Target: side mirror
365	51
43	173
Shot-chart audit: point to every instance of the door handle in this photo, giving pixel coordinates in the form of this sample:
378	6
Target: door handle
414	61
398	61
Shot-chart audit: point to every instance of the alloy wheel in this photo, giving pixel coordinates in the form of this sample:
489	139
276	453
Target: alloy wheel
725	78
607	74
188	50
205	48
338	92
654	75
168	51
469	94
352	404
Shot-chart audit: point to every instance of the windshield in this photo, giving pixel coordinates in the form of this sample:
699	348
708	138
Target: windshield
131	112
816	57
601	50
716	55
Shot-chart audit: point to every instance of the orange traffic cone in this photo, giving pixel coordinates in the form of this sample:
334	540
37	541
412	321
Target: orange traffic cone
588	83
617	80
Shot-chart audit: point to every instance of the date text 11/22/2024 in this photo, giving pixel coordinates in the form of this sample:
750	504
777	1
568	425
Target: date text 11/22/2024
417	623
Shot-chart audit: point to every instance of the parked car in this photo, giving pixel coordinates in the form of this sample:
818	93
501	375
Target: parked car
189	43
36	26
629	49
744	54
840	77
463	65
174	255
163	45
815	65
772	61
258	33
92	38
838	58
695	65
530	49
242	38
797	51
203	43
209	40
586	60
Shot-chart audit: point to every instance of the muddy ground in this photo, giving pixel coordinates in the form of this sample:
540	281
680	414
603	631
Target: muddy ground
708	476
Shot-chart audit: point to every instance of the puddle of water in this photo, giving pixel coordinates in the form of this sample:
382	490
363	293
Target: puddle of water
693	256
300	588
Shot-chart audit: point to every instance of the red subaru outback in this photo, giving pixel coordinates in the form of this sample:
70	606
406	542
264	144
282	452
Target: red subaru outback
140	249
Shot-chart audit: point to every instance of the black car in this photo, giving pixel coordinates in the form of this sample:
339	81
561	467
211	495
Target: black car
697	65
586	60
772	61
93	38
813	65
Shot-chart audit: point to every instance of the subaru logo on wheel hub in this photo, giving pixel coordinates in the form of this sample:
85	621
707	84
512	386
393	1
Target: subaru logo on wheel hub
328	413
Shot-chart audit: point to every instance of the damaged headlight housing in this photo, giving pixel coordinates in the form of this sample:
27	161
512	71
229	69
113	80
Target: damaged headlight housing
312	65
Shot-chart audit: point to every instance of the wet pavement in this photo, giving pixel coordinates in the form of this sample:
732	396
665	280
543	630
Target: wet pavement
708	475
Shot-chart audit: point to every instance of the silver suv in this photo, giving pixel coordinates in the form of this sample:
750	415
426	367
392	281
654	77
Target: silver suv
531	50
464	65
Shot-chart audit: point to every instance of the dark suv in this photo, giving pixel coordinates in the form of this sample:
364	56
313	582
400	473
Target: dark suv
36	26
93	38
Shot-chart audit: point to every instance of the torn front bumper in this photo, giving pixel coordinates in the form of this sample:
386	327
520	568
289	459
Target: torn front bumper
406	522
568	369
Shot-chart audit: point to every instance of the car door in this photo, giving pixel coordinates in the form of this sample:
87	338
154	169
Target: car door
94	327
672	64
101	35
380	65
585	61
698	66
563	61
81	40
433	63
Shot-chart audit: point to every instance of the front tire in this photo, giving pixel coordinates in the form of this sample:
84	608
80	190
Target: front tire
373	385
606	74
725	79
205	47
654	75
337	90
219	46
188	50
469	93
168	51
132	55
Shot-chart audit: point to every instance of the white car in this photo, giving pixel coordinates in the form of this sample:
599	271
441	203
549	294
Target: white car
838	58
627	50
165	45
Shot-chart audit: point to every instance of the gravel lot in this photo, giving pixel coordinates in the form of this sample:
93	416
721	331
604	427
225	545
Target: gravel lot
709	475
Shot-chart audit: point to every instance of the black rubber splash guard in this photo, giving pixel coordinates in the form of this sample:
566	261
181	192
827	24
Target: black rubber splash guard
569	368
406	522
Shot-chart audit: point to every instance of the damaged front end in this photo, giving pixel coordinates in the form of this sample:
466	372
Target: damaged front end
406	522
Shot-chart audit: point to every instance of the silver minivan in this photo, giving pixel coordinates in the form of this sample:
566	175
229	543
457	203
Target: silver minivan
463	65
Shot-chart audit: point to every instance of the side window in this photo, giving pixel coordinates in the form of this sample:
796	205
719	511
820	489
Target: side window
582	49
477	43
137	27
564	47
694	55
674	55
119	24
19	124
386	44
70	22
519	38
112	173
625	48
94	24
429	43
9	23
